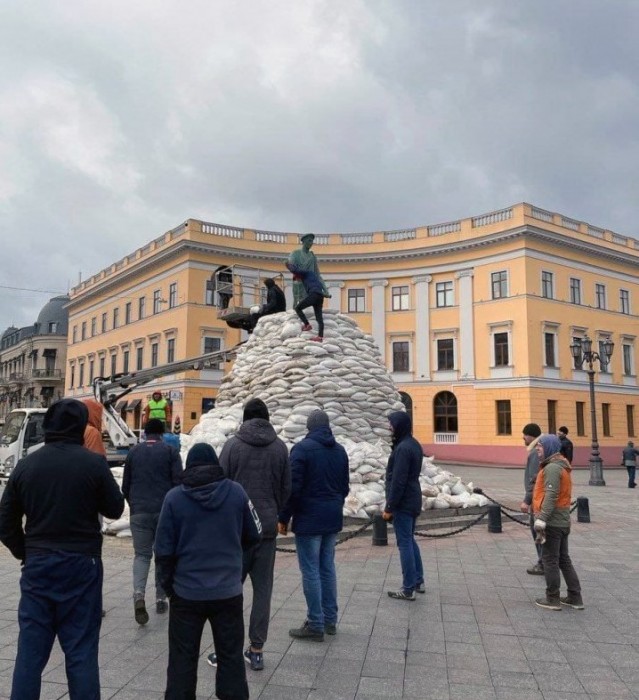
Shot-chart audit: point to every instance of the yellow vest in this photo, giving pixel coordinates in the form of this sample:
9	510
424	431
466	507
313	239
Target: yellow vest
157	409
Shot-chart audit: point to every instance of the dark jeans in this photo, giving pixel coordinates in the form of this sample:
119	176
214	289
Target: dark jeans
316	558
555	558
534	535
631	476
259	562
61	595
316	300
186	623
409	554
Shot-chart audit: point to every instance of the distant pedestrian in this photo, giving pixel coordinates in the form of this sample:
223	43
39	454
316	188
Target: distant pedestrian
566	444
551	507
404	503
204	526
629	461
60	489
151	469
319	473
531	433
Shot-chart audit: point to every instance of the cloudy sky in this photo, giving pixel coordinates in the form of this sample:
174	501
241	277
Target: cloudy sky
120	119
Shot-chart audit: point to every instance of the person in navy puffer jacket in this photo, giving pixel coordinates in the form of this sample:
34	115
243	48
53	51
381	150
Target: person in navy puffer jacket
319	473
404	502
204	526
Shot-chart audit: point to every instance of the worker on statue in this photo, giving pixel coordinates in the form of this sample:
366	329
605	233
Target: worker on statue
304	259
158	407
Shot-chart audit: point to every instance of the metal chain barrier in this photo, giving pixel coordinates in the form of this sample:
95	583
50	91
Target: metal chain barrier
492	500
350	536
477	520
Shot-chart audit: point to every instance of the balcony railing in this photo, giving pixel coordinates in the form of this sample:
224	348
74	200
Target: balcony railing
46	373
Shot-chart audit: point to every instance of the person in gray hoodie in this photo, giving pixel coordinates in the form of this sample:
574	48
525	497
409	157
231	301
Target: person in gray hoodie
258	460
531	433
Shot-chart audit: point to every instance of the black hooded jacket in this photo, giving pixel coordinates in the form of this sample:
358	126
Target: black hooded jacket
61	488
403	491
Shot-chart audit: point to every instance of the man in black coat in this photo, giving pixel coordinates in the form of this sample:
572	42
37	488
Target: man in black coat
566	444
275	302
404	503
61	489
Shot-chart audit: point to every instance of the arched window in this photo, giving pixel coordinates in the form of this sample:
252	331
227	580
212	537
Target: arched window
445	412
408	403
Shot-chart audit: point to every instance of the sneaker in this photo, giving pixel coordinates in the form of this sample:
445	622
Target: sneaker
307	327
536	570
161	606
330	628
548	604
306	632
401	594
575	604
141	615
420	587
317	339
211	660
255	658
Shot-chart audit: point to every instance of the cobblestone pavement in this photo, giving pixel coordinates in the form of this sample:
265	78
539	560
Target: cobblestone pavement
475	633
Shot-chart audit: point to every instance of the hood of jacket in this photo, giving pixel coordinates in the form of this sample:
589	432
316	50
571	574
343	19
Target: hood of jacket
557	457
65	421
401	424
206	485
256	431
95	409
323	435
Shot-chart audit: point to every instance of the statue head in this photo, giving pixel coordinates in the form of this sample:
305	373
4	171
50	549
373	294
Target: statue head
307	240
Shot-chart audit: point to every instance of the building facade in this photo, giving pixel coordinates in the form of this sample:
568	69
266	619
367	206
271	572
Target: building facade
33	360
474	318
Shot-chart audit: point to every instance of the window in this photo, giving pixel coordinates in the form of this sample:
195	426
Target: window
156	301
499	284
552	417
154	354
102	367
624	301
500	341
141	307
630	419
170	350
549	349
400	356
74	335
127	313
627	359
445	412
600	296
356	301
444	294
125	361
116	317
114	364
94	326
83	330
445	354
81	374
399	297
172	295
580	407
72	378
139	357
91	372
104	322
603	361
53	327
504	422
605	418
212	345
575	291
209	294
547	284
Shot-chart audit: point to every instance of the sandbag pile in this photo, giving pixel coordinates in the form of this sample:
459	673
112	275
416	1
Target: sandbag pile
120	527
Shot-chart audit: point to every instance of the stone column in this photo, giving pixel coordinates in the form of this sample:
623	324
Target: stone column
422	326
378	314
466	324
335	290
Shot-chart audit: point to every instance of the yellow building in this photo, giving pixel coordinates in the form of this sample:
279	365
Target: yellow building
474	318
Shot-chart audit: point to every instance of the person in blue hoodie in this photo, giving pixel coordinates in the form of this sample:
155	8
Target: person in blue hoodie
205	525
404	503
315	294
319	475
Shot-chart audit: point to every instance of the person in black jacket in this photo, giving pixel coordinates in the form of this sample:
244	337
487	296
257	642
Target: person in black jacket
629	461
204	526
404	503
258	460
151	470
566	444
319	474
275	302
61	488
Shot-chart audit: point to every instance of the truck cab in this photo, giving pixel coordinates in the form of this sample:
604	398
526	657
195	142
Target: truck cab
21	434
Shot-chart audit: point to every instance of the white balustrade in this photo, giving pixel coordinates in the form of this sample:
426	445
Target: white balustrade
493	218
441	229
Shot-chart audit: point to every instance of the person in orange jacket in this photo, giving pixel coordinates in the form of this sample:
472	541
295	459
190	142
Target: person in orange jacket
93	431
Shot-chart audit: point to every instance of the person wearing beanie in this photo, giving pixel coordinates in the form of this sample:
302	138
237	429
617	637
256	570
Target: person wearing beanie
61	489
531	433
566	444
257	459
319	472
404	503
551	508
151	469
629	461
205	525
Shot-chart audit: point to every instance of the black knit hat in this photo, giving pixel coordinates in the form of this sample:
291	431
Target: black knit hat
201	454
255	408
154	426
532	430
317	419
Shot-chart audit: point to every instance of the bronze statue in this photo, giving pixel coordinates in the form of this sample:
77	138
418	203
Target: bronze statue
304	259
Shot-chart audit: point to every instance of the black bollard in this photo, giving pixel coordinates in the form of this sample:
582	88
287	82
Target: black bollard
380	532
583	510
494	518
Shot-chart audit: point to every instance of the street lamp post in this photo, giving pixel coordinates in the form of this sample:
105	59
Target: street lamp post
583	352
